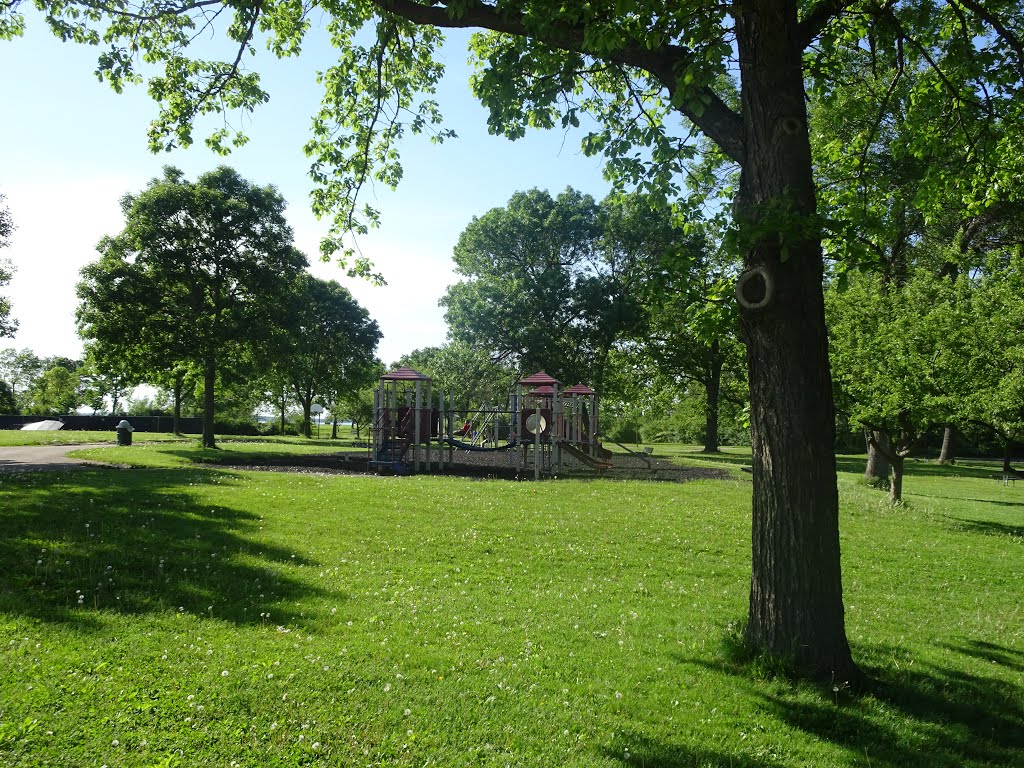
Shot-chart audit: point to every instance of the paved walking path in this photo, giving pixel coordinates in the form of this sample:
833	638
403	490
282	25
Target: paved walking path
35	458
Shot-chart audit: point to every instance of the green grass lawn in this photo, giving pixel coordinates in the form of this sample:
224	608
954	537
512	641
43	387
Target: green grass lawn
79	436
182	615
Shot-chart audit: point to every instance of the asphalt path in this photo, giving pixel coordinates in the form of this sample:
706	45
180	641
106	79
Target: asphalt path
40	458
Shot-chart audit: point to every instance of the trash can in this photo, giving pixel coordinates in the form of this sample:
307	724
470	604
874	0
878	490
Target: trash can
124	433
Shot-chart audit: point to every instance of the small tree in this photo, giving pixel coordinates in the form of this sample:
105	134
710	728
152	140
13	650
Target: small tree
996	397
7	403
57	390
898	357
326	347
693	332
465	374
19	368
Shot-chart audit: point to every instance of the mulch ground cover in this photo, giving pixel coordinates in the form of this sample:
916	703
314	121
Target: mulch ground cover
496	464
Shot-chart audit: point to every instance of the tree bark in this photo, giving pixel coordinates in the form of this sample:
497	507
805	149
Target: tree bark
179	385
896	481
876	472
209	385
713	387
796	603
947	454
307	417
284	403
1007	465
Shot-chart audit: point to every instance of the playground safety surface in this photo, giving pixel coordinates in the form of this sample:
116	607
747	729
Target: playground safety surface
499	465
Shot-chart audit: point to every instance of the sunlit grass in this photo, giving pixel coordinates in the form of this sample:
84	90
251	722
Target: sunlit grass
13	437
199	616
79	437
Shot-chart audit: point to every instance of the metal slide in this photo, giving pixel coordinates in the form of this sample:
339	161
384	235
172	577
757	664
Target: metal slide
586	458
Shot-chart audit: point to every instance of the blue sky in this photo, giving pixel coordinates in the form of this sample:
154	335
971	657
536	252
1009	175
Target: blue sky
70	148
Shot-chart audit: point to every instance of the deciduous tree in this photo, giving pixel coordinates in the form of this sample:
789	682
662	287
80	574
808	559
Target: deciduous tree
995	398
58	389
554	283
900	355
19	368
326	345
197	278
466	375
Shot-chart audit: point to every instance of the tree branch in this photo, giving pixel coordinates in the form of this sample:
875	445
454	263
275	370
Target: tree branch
1005	33
817	19
718	122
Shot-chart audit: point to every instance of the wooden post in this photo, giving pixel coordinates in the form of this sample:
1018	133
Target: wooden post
416	427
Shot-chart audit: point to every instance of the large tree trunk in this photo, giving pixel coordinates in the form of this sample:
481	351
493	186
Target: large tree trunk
179	385
713	387
209	385
306	401
796	602
1007	464
876	472
307	417
284	405
947	454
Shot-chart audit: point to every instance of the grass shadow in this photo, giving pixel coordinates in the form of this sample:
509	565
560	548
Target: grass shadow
991	652
133	543
914	715
932	716
633	749
989	527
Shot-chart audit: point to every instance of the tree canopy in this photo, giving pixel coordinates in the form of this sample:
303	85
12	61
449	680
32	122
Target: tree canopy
554	282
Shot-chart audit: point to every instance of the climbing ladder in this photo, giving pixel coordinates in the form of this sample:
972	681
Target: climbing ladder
391	455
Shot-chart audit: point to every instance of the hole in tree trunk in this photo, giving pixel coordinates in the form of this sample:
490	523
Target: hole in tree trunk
755	289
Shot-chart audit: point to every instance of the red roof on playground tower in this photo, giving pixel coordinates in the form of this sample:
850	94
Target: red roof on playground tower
579	389
405	374
539	378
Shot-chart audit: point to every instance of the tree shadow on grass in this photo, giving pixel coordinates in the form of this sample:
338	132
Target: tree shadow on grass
635	749
923	715
134	543
989	527
996	502
930	716
992	652
920	468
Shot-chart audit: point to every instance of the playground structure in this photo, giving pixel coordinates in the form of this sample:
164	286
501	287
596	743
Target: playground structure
416	429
